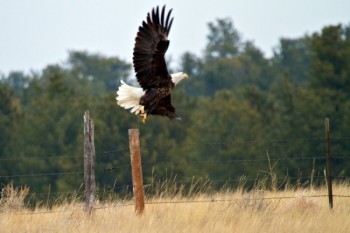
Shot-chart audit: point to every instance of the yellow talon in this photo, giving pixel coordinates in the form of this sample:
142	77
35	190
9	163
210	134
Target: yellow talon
143	114
142	110
143	117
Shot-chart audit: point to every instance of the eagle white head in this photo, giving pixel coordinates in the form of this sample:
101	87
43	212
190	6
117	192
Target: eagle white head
177	77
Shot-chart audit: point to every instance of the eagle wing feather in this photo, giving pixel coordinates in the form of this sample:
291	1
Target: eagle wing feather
151	44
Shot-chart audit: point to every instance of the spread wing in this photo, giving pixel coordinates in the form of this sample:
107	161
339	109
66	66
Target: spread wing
151	43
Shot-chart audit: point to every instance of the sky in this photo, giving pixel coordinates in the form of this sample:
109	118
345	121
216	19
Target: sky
36	33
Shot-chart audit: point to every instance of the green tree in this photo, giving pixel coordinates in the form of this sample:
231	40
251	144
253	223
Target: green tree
223	39
228	63
193	66
99	69
292	58
10	115
330	78
18	81
331	59
51	127
220	128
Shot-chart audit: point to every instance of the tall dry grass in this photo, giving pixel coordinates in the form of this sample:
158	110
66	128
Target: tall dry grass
305	210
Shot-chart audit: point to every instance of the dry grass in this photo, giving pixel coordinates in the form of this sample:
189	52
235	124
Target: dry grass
256	211
12	199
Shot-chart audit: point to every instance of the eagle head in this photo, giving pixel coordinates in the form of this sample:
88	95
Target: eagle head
177	77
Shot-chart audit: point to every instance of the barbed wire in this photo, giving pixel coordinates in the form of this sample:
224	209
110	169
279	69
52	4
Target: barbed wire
212	200
223	162
175	163
192	181
42	174
56	193
235	180
102	153
253	141
108	152
203	161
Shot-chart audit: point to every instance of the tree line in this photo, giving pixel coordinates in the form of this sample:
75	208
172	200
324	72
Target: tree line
237	105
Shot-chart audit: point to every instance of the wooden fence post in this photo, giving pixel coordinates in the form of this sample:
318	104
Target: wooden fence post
329	168
136	170
89	163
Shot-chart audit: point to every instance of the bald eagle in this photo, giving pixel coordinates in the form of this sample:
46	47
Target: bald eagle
154	95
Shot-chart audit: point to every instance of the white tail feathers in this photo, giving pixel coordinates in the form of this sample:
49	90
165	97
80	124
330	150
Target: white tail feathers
129	97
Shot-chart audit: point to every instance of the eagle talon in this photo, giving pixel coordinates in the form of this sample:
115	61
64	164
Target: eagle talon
142	110
143	114
143	117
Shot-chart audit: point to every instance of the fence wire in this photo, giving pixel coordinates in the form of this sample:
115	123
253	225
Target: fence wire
212	200
146	147
43	174
161	163
223	162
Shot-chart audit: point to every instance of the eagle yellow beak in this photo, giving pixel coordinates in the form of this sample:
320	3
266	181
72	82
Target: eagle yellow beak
186	75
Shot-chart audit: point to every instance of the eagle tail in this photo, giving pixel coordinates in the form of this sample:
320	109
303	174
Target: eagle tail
129	97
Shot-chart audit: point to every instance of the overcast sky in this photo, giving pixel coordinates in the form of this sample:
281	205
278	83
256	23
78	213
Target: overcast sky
35	33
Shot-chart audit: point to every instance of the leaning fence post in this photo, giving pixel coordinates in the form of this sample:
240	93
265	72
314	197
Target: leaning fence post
136	170
89	163
329	168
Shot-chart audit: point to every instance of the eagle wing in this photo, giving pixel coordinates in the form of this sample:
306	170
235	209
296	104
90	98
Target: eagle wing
151	43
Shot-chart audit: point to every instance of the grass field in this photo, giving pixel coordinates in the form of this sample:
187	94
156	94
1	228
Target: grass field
295	210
